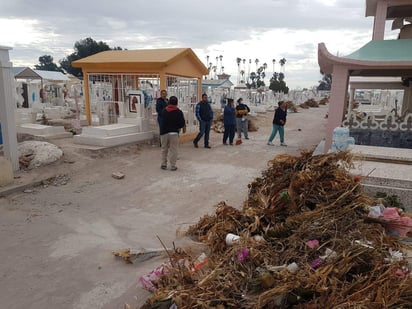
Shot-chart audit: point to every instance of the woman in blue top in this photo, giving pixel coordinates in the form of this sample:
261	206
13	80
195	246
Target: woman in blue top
229	121
279	121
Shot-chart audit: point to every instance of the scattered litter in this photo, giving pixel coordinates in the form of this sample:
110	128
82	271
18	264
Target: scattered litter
231	238
118	175
242	255
58	180
149	281
200	262
131	256
312	243
293	267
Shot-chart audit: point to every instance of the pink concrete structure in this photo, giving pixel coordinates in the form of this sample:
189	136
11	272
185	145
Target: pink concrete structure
379	57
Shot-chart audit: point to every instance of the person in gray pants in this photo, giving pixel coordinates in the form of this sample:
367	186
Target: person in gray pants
241	118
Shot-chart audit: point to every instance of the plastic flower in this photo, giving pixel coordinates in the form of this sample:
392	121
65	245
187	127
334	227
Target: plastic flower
242	255
313	243
316	263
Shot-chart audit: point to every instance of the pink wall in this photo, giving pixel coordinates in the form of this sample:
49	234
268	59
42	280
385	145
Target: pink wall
337	102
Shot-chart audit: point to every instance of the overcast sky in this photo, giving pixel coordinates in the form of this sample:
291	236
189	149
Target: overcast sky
262	29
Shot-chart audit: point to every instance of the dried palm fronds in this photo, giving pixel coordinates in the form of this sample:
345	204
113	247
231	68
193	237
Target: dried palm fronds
323	101
291	106
297	201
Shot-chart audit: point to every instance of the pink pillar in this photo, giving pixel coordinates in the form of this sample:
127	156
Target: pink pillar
337	102
380	19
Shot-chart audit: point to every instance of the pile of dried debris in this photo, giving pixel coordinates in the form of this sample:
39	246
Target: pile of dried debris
219	127
310	103
300	241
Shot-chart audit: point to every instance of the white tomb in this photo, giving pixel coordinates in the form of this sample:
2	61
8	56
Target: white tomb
132	125
44	131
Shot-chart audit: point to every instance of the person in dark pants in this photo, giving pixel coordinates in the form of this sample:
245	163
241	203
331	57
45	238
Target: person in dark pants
161	104
229	121
204	115
172	121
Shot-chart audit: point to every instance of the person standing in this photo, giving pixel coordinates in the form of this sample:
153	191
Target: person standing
161	104
229	121
241	119
204	115
279	121
172	121
65	91
42	95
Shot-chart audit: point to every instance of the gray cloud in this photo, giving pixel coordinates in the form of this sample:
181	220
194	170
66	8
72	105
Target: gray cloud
135	24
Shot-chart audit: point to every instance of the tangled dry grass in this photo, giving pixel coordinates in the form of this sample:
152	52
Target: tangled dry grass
296	202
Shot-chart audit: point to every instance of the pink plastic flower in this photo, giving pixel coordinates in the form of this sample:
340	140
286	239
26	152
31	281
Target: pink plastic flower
313	243
242	255
316	263
399	272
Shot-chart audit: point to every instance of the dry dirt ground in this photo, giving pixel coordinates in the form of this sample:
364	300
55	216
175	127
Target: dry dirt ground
57	238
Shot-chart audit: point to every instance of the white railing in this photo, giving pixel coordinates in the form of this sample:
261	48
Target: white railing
370	121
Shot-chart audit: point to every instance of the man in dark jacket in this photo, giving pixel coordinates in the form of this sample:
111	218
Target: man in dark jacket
241	119
229	121
204	115
172	121
161	104
279	121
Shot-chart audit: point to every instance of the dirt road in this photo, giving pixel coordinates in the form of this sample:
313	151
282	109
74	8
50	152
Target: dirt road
57	239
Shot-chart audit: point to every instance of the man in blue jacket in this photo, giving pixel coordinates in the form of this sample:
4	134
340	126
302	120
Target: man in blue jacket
229	121
204	115
161	104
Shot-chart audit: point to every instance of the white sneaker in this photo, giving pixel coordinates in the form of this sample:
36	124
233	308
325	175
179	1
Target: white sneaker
283	144
270	144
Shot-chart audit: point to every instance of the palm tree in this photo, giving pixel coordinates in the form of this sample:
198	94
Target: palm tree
260	76
257	62
282	63
273	61
238	61
253	76
248	69
265	65
207	63
221	64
